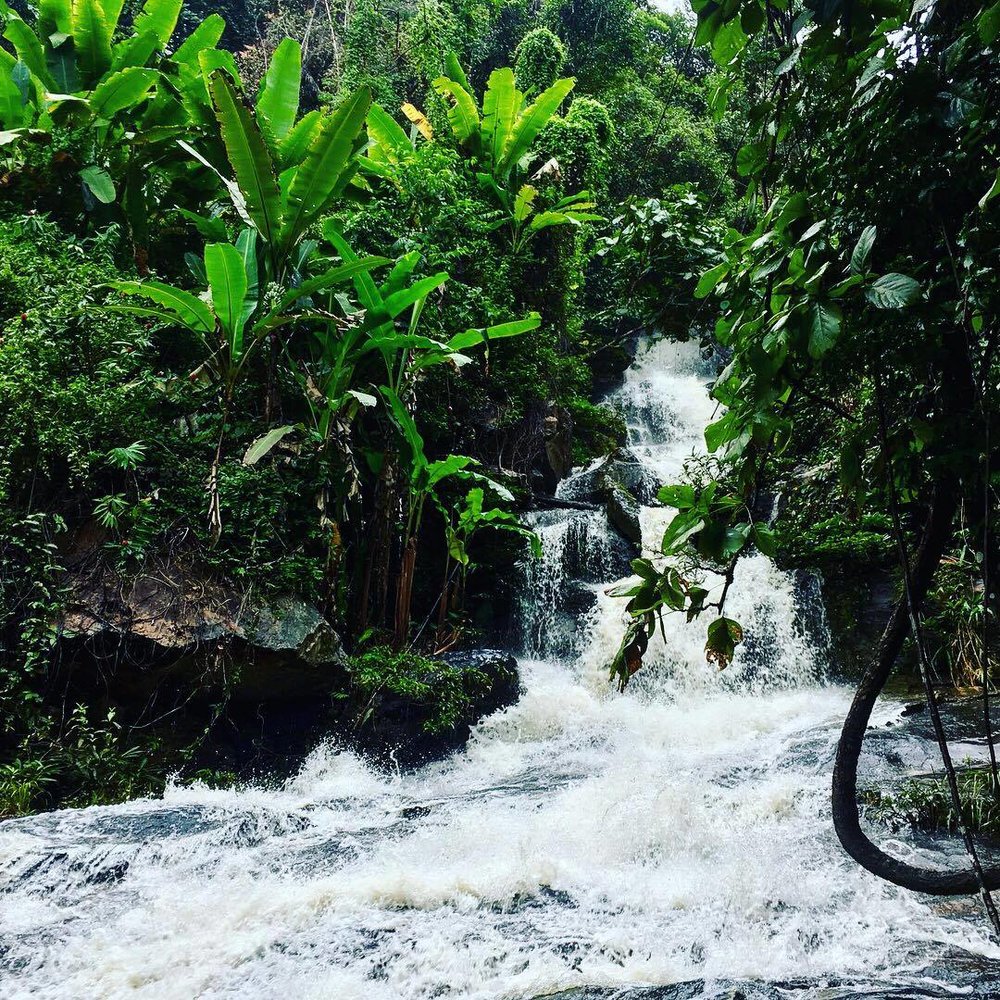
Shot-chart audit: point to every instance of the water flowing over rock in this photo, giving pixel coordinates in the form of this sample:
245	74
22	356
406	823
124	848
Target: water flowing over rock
670	842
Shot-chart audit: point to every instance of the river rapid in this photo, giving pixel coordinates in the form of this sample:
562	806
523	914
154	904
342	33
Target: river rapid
670	842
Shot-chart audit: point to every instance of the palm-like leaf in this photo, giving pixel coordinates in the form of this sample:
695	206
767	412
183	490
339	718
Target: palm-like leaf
249	158
501	104
159	17
227	281
91	39
122	90
279	97
182	306
532	122
325	167
387	135
29	49
462	110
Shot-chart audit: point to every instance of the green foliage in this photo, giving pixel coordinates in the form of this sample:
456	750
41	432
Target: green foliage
446	690
538	61
926	803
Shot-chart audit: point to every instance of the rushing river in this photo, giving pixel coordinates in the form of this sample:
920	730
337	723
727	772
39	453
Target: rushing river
671	842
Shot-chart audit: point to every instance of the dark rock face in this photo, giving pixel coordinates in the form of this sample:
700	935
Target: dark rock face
557	432
397	729
623	512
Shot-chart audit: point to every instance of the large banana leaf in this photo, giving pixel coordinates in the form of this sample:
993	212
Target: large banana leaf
182	307
334	276
501	105
160	18
227	281
462	110
470	338
404	422
453	70
55	16
532	122
112	11
29	49
246	244
205	36
122	90
136	51
396	304
279	97
327	161
387	136
249	158
91	40
294	147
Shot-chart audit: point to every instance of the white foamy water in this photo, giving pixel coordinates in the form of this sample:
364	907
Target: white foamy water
679	832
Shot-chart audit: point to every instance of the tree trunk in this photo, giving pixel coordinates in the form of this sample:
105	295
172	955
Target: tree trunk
846	816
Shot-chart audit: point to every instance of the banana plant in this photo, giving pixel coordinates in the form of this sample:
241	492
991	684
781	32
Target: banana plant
499	138
231	317
121	101
287	171
462	522
424	481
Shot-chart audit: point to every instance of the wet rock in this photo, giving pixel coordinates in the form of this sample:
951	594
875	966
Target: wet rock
397	728
623	511
557	433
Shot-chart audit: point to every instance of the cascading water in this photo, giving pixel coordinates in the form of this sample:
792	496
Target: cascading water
677	836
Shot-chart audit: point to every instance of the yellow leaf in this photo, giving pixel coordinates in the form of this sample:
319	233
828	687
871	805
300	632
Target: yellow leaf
419	119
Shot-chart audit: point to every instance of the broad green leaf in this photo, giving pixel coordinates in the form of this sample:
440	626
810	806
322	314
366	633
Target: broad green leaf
824	327
324	170
523	202
187	309
708	281
279	98
91	39
212	228
227	281
55	17
330	278
462	110
470	338
99	184
122	90
453	69
396	304
158	17
29	49
501	104
406	426
206	36
893	291
295	144
388	135
859	258
136	51
532	121
995	187
724	635
681	496
751	159
249	158
259	448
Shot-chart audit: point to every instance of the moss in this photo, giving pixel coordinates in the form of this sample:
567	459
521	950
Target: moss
446	691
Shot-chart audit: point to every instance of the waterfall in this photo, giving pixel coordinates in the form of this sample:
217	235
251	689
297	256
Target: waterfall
676	836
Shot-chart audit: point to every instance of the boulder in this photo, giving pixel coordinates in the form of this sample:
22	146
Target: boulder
623	512
398	728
